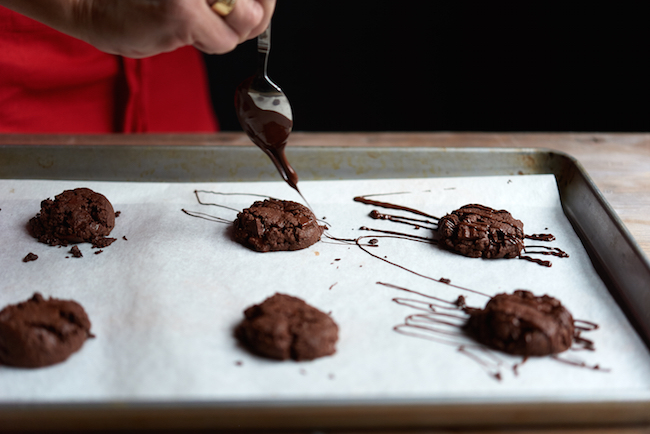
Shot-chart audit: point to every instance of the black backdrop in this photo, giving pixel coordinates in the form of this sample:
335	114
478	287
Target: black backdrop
371	66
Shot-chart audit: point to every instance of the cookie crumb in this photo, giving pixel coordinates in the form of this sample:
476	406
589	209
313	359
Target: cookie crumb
75	252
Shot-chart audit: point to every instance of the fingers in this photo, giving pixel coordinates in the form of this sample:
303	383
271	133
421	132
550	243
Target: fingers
217	35
249	18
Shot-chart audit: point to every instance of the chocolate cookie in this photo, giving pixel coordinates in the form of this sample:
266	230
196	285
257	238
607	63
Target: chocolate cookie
273	225
522	324
40	332
74	216
479	231
284	327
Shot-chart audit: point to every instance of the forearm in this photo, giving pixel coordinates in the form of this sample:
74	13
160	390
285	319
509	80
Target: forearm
141	28
58	14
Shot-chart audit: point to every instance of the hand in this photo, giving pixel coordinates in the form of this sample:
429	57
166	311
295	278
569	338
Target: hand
141	28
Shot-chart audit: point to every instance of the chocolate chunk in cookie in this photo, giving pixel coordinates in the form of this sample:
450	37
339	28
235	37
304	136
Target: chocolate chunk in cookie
478	231
274	225
40	332
522	324
284	327
74	216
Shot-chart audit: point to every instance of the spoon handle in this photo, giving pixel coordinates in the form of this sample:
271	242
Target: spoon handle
263	48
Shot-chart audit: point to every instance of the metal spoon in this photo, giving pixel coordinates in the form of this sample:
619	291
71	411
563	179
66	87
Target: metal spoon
265	114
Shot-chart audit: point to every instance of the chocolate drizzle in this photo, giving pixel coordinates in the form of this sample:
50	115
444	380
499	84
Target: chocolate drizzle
400	234
541	237
444	281
504	240
206	216
212	218
416	223
478	231
364	199
537	261
546	250
444	322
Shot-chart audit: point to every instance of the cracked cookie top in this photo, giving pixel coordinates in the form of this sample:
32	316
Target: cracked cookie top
276	225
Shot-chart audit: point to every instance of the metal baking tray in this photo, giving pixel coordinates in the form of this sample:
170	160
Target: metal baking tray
618	259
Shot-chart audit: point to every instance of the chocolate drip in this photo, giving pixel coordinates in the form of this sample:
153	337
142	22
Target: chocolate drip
209	217
579	364
493	369
205	216
268	129
537	261
400	234
541	237
349	241
516	366
400	219
415	272
588	326
585	344
364	199
554	251
459	303
198	198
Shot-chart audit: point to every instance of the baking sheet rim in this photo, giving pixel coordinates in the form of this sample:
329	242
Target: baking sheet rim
637	404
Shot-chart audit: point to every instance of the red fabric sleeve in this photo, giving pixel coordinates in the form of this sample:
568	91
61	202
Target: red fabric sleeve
53	83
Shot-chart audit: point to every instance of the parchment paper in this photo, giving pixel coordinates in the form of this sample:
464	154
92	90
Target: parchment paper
164	302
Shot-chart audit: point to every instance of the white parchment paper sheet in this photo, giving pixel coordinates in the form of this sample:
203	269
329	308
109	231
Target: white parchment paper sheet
164	302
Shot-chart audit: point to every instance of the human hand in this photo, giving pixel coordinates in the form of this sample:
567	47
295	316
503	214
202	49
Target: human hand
141	28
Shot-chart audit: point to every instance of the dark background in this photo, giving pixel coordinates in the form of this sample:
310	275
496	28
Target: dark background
425	66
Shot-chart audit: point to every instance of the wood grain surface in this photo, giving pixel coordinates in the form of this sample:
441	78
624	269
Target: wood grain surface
618	163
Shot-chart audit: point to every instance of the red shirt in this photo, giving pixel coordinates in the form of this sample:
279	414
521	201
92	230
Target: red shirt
53	83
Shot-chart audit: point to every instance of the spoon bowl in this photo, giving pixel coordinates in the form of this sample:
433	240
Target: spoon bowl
265	114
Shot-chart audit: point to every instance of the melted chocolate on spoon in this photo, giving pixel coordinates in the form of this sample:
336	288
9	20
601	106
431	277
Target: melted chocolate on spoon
267	128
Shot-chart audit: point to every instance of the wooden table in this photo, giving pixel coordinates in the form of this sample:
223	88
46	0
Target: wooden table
618	163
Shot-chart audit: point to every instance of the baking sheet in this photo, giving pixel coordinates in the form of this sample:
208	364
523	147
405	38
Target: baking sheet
164	302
